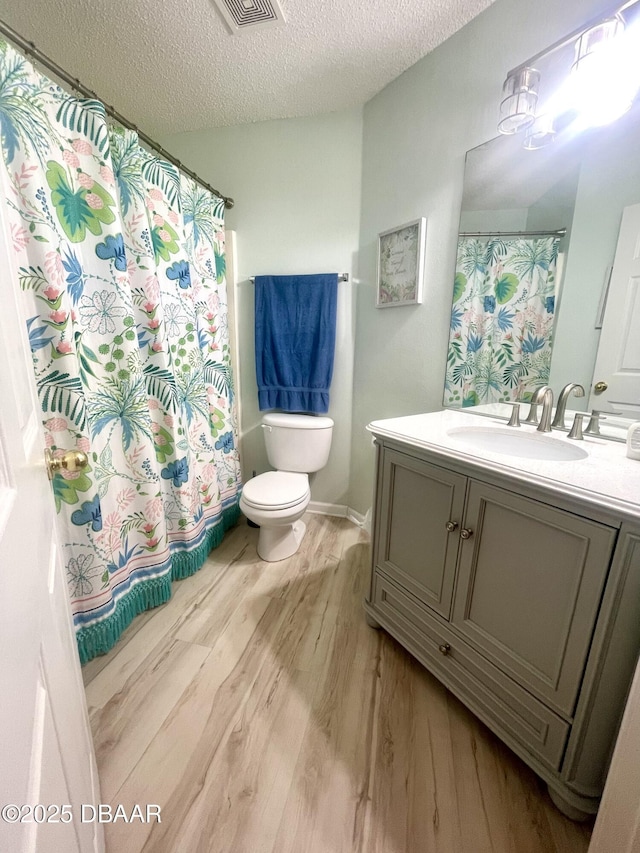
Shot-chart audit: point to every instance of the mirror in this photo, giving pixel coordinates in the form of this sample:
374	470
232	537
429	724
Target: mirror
515	201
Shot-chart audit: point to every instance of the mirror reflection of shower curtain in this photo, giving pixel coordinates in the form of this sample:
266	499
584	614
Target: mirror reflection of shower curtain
504	299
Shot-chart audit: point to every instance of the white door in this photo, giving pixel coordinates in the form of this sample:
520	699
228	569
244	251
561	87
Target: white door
618	825
616	377
47	766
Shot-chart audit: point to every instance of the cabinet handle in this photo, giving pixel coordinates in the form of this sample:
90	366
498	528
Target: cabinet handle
451	526
466	533
444	649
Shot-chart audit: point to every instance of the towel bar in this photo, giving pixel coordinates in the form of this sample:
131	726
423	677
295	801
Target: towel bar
343	276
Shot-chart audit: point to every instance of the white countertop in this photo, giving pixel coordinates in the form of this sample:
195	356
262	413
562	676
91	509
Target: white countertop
606	477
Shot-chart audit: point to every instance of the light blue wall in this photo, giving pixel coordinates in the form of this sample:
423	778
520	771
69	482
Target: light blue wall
296	186
514	219
416	133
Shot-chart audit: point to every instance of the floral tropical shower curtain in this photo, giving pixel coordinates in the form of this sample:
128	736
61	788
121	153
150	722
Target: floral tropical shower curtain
120	260
501	320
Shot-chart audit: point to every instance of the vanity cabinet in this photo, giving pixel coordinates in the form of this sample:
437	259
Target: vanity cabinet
513	602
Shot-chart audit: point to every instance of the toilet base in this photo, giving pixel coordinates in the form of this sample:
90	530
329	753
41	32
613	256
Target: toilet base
278	543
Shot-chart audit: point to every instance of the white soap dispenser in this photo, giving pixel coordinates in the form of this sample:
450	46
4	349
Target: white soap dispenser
633	441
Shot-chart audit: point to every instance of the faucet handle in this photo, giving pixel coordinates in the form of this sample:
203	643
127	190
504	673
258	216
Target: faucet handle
576	429
593	427
514	420
597	415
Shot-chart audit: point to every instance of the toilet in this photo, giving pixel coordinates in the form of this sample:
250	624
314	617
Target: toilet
297	445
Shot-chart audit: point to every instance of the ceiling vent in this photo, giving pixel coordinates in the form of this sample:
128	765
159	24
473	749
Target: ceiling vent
241	15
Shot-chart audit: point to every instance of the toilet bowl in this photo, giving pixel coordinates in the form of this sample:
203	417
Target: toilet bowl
276	501
296	446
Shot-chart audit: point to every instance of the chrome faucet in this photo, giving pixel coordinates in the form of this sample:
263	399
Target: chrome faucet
536	398
547	409
578	390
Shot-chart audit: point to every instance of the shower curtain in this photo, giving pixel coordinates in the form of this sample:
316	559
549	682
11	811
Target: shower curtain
501	320
120	264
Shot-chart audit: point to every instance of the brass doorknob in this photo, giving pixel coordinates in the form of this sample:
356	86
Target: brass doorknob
451	526
444	649
71	460
599	387
466	533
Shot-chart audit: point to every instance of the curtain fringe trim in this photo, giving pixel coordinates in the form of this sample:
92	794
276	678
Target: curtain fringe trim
100	638
186	563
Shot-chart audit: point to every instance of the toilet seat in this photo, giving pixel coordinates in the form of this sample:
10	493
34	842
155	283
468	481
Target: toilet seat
276	490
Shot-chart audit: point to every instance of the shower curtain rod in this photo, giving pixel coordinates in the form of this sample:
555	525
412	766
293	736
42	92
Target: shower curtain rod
343	276
559	233
30	49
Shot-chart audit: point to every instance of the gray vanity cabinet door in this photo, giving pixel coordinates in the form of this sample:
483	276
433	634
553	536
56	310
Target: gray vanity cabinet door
529	587
413	544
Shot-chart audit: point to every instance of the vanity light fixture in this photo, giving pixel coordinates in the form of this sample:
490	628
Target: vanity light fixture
605	75
520	97
541	132
601	84
594	40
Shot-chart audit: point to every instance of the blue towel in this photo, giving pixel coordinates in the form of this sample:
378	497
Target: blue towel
295	340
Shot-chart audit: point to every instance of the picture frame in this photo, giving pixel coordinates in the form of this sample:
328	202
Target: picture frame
401	264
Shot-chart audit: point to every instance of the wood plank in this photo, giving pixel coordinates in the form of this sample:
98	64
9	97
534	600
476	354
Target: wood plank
243	794
173	769
327	803
414	784
125	726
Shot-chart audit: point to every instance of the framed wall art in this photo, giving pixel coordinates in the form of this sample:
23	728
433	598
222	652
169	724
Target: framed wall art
401	264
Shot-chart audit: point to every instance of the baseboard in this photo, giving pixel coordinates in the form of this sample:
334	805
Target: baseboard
320	508
342	511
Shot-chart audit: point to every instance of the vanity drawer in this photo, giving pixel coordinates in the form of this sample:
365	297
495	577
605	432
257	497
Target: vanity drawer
508	710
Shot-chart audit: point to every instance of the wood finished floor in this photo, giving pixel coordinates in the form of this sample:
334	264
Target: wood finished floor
259	710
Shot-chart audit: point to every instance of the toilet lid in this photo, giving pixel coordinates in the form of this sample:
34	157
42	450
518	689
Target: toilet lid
276	489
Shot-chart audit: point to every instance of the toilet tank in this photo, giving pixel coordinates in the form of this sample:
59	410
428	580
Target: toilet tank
297	442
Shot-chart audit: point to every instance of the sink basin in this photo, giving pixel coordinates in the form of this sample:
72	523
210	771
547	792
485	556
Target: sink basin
513	442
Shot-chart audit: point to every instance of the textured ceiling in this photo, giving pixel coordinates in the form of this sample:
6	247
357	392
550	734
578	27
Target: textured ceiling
173	66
